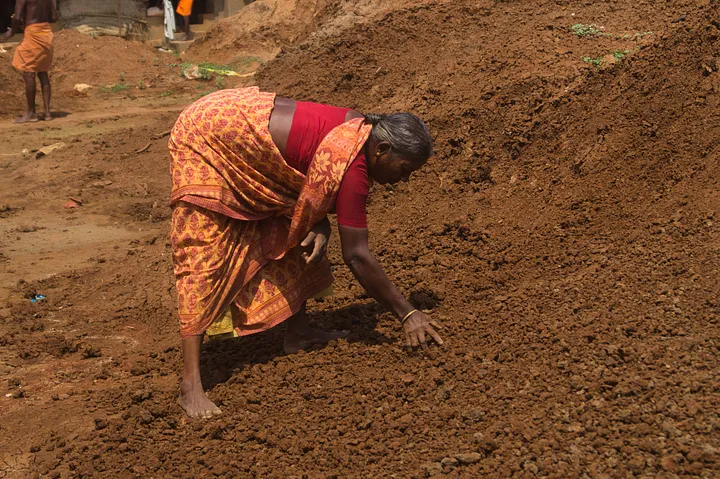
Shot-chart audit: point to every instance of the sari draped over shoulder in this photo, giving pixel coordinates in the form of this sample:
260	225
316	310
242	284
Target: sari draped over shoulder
240	212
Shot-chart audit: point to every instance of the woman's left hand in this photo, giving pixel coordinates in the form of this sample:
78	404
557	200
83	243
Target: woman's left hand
316	239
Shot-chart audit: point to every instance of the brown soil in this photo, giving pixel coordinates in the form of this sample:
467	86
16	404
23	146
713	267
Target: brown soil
566	233
258	32
106	60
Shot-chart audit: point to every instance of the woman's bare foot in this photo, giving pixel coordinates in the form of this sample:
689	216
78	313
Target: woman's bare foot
47	116
305	337
27	118
194	401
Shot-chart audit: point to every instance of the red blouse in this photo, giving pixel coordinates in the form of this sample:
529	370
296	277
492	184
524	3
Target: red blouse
311	123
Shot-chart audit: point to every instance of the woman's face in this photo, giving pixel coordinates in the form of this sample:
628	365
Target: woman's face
387	167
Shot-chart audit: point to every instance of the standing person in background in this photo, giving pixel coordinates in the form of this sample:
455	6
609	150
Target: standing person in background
169	21
34	55
184	9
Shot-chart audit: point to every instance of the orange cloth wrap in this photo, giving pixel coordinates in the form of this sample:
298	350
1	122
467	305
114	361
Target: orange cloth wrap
35	52
239	212
184	8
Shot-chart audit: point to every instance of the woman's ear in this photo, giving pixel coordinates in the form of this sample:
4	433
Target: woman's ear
382	148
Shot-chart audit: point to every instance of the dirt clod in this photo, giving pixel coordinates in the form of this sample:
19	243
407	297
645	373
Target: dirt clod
141	395
468	458
91	352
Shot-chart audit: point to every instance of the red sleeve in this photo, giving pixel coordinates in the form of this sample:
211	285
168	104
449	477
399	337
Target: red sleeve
351	202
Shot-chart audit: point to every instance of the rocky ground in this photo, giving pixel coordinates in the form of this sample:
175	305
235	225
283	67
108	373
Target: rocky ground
565	233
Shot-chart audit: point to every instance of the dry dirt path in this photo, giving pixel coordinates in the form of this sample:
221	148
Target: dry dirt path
53	349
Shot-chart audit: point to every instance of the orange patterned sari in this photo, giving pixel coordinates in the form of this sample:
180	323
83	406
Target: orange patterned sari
239	212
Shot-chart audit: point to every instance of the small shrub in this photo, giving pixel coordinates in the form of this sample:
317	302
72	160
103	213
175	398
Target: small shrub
583	30
596	62
620	54
118	87
639	35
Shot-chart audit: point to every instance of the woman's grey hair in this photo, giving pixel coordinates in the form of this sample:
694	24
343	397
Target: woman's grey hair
406	133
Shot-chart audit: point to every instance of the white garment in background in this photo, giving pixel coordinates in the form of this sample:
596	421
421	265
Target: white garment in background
169	20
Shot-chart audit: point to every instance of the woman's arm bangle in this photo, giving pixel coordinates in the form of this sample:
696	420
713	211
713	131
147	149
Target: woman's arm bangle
402	321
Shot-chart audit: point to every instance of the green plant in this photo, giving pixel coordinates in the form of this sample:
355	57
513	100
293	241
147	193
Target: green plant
583	30
620	54
596	62
215	68
220	82
118	87
593	30
206	70
201	74
166	94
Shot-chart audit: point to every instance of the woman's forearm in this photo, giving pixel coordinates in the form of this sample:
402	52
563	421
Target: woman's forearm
372	277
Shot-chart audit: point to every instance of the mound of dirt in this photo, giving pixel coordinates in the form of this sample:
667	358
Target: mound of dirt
12	87
263	27
258	30
105	60
580	251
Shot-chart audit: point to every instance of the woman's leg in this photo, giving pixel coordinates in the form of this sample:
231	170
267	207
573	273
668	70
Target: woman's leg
192	396
299	335
208	257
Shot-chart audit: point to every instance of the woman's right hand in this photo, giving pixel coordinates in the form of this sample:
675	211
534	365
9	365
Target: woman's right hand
316	241
417	327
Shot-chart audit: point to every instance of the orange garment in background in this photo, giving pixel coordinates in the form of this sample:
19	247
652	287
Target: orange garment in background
35	52
239	212
184	8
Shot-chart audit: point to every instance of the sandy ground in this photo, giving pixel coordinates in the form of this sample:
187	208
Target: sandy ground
565	232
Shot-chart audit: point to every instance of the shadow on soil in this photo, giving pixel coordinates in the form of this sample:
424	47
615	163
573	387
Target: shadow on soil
221	358
60	114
